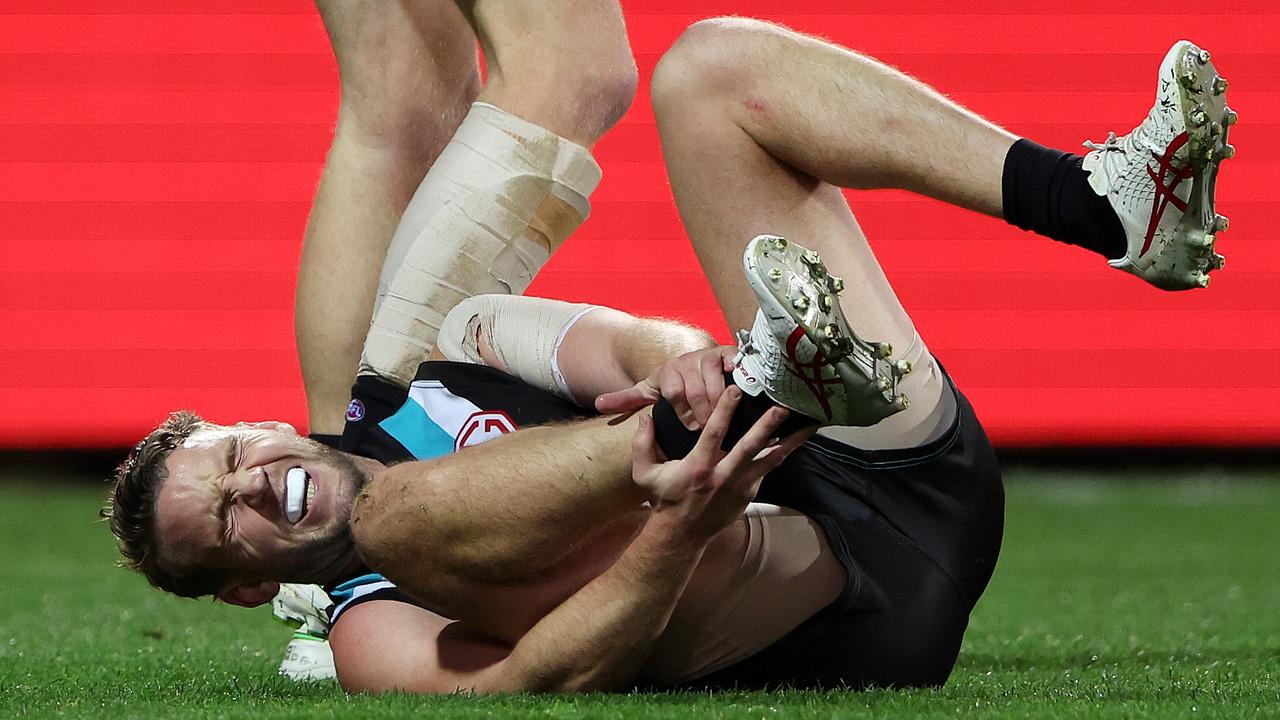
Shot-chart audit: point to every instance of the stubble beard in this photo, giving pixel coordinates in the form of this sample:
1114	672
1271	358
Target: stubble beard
323	553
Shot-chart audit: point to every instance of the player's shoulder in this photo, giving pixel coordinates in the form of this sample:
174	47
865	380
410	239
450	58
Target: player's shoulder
377	645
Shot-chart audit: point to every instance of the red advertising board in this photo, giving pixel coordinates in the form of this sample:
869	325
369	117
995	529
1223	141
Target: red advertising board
157	161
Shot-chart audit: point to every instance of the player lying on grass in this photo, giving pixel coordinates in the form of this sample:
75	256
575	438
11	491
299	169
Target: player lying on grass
532	562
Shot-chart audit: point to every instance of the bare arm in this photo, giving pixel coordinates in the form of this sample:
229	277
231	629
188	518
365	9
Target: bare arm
595	640
600	637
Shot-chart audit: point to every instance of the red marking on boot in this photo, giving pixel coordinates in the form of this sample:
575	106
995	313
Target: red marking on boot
810	373
1165	193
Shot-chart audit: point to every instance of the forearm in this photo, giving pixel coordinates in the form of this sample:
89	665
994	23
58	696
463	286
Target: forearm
600	637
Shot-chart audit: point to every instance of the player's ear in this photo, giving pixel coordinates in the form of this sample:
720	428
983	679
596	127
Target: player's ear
250	595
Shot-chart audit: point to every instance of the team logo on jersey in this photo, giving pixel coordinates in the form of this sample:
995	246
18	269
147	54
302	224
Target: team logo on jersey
355	411
482	426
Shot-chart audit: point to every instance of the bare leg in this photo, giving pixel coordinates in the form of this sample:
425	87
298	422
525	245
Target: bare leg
408	72
760	128
563	64
560	75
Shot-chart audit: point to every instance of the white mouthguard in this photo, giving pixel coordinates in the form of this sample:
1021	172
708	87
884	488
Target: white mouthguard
295	493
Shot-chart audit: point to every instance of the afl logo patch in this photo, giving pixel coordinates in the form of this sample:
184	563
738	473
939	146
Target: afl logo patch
482	426
355	411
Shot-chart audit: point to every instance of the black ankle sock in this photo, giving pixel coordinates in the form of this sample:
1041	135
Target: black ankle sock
1046	191
675	440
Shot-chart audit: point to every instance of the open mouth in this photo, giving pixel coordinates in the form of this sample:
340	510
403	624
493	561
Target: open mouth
299	492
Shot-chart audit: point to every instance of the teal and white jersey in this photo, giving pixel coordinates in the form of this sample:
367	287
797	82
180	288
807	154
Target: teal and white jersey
448	406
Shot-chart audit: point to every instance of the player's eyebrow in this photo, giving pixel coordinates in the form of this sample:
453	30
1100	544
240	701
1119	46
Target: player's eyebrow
233	452
232	459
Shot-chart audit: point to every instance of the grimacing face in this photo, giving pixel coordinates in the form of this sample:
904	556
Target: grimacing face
222	507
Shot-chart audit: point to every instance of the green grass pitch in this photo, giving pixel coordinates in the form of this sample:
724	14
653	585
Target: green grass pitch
1116	597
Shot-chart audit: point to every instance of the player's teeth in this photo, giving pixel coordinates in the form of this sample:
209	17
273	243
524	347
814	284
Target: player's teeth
295	494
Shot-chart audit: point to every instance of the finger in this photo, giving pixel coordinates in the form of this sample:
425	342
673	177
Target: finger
672	386
756	439
644	448
695	393
712	380
708	445
632	398
727	354
774	456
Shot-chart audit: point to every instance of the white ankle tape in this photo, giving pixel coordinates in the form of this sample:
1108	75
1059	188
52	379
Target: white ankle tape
501	197
525	334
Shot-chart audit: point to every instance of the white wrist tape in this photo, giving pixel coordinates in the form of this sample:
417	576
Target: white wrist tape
502	196
525	334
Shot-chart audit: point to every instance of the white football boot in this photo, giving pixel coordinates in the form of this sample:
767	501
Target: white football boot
1160	177
307	656
801	352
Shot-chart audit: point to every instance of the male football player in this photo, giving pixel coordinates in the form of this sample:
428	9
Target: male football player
570	554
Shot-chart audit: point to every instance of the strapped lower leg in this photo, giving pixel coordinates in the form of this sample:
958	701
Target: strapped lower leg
498	201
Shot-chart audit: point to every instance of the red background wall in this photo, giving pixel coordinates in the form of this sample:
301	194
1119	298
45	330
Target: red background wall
157	161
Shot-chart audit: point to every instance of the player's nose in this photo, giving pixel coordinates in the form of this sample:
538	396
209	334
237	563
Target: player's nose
253	486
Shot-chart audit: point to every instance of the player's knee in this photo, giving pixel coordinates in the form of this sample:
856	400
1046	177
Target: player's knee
410	123
607	94
712	57
590	97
